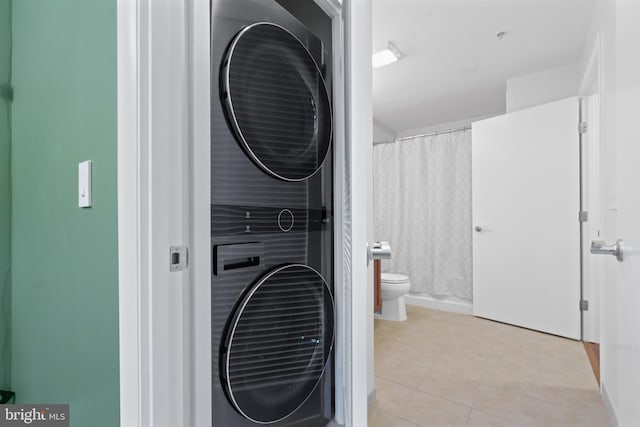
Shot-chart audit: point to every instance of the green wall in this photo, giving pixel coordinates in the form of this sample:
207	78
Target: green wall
64	283
5	194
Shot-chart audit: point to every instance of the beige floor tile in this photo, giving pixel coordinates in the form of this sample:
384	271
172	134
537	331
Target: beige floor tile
568	395
515	351
556	351
482	419
421	312
402	372
576	368
578	415
451	387
472	367
427	410
392	397
567	379
432	368
379	418
432	342
468	347
514	367
411	354
510	377
515	407
399	422
377	323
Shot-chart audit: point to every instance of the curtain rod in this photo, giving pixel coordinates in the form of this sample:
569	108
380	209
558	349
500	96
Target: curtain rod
404	138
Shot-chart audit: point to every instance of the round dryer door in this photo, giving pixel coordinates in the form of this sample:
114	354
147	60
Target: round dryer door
278	343
276	101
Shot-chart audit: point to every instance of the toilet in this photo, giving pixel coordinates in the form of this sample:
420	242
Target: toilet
394	287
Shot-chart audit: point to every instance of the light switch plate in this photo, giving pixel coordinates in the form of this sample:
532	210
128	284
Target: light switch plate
84	184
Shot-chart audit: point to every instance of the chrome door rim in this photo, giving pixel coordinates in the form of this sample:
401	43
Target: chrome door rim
237	314
229	102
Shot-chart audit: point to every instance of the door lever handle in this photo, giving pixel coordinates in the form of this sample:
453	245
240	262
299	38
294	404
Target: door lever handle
598	247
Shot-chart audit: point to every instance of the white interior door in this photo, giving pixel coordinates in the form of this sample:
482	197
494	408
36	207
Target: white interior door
623	348
526	190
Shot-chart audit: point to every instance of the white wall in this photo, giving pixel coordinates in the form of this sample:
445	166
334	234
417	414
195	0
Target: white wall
443	126
382	133
542	87
602	32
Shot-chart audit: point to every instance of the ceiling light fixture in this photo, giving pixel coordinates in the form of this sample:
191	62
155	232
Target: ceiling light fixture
385	57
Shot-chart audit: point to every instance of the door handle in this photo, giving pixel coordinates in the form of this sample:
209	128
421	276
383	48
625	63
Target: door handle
598	247
479	228
378	250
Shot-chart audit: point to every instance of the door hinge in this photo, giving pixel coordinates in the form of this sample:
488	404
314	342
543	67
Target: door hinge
584	305
583	216
178	258
582	127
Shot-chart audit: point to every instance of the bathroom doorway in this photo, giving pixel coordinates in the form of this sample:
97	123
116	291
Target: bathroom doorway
464	63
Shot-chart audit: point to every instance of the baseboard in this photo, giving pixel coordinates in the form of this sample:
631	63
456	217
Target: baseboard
608	406
371	399
462	307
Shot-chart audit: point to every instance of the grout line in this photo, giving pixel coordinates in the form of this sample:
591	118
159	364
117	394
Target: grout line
468	416
426	392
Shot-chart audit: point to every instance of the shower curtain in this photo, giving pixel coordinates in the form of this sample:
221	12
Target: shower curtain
422	206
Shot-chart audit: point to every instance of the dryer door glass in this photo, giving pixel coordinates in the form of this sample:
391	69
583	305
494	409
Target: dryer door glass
278	343
276	101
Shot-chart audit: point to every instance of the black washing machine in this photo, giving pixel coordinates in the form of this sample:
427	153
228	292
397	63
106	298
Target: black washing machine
272	281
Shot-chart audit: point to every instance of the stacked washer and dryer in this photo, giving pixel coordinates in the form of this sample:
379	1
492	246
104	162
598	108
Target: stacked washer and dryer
272	279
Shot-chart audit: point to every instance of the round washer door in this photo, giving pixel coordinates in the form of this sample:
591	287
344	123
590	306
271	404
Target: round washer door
278	343
276	101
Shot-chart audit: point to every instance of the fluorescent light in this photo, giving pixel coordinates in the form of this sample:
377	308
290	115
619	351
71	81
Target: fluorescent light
386	57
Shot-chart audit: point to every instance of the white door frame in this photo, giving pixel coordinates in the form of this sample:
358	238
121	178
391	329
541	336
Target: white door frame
591	90
200	113
358	181
163	117
153	127
128	227
593	267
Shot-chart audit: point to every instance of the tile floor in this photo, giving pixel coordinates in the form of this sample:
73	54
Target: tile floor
447	369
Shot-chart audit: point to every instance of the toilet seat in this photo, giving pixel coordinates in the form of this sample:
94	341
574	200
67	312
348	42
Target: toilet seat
392	278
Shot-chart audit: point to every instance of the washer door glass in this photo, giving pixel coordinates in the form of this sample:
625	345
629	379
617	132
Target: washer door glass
276	101
278	343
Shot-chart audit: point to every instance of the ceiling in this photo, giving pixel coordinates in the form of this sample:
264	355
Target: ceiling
454	66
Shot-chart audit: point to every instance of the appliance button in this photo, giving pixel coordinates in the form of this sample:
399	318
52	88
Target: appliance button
285	220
